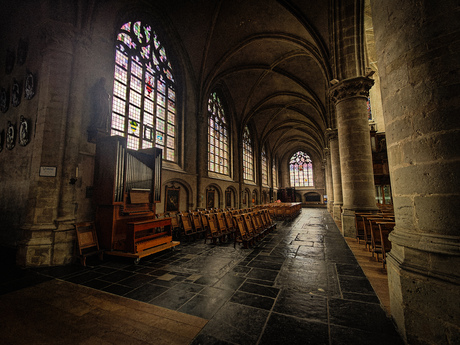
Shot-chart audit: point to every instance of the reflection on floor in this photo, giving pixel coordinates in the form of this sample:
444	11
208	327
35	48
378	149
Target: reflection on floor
300	285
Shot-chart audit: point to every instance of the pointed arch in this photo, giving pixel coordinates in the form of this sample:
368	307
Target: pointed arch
301	170
144	91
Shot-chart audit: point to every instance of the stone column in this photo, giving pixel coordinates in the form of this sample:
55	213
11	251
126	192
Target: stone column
39	231
336	174
202	159
350	96
329	182
418	49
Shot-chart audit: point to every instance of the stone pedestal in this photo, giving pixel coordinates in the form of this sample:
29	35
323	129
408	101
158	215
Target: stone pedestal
418	63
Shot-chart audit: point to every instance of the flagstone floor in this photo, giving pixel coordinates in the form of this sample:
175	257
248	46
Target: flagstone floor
300	285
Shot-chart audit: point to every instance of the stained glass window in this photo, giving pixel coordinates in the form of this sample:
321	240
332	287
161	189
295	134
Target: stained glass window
144	96
248	158
369	110
218	141
301	170
274	174
264	167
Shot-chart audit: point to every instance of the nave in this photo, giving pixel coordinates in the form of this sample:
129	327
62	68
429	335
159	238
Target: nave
300	285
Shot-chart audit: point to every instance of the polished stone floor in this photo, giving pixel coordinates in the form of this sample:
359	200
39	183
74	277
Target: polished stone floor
300	285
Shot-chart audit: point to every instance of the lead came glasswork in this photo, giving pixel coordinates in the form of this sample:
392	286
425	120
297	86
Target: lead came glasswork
301	170
217	136
143	75
248	157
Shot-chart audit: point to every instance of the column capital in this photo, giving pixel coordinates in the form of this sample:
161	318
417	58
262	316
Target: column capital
350	88
332	133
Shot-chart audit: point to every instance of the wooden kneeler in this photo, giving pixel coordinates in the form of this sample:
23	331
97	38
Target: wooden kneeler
87	241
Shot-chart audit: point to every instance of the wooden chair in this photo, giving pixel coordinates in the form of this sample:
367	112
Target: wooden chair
269	218
197	223
385	229
279	212
360	227
88	244
367	229
213	232
175	226
204	221
376	242
249	225
186	225
231	227
242	235
221	222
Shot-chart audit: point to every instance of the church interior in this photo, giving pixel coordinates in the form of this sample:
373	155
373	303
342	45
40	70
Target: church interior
222	159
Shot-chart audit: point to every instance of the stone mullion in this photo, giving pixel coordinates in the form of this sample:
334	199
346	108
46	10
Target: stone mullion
350	97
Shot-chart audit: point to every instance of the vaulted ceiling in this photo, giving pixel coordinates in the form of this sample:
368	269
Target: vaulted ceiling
271	56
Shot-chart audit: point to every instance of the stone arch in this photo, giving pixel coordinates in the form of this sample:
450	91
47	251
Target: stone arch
233	199
185	195
312	197
217	196
245	196
254	197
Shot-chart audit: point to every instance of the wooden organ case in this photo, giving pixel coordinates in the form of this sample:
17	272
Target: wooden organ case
127	186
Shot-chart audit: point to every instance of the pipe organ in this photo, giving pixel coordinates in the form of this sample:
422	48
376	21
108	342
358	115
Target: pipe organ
127	187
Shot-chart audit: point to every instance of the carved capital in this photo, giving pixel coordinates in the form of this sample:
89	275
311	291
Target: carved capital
349	88
332	134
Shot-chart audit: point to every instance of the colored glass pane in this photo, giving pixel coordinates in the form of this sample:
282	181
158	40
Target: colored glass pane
301	170
139	65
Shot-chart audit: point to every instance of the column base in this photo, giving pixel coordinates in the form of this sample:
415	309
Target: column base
424	307
45	245
348	223
337	212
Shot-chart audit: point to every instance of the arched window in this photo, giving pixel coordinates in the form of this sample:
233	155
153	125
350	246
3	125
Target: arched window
301	170
264	167
274	174
218	141
144	91
248	158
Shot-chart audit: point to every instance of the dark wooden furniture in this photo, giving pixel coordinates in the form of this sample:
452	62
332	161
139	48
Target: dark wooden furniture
127	187
88	244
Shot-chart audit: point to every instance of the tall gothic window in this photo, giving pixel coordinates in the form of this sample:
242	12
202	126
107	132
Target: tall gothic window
248	158
264	167
144	91
274	174
218	142
301	170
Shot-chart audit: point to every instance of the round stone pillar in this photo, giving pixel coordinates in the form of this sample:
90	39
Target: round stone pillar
418	48
336	174
329	183
350	97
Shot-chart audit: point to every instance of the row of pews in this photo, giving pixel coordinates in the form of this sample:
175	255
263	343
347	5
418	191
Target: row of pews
373	229
284	210
245	226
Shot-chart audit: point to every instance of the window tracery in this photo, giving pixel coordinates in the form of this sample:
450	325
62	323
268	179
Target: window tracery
301	170
218	139
248	157
144	91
